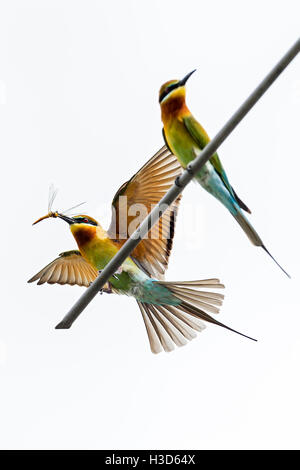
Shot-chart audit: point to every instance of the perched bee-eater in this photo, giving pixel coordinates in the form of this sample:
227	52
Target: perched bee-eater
172	311
185	138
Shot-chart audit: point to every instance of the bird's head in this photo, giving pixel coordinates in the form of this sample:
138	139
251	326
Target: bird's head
83	227
78	219
173	89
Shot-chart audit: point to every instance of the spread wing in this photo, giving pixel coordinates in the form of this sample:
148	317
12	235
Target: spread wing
134	201
201	138
69	268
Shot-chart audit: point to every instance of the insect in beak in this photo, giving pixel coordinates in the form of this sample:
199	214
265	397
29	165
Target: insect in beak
50	214
55	214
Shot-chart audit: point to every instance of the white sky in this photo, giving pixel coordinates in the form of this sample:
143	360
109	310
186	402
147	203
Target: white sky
79	108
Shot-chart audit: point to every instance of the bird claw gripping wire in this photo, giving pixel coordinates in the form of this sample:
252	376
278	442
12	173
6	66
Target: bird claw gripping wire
107	290
177	182
190	170
101	290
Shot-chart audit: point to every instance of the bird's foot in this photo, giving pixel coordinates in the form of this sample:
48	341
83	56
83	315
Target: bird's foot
189	169
100	291
107	288
177	182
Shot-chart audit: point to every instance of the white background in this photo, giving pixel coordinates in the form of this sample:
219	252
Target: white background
79	108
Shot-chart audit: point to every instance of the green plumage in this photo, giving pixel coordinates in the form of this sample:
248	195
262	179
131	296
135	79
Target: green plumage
200	137
186	138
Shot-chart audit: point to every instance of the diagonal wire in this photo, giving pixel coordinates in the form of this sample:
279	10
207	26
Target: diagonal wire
177	188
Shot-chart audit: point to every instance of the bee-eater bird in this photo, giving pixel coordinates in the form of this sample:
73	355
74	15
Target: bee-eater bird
171	310
185	138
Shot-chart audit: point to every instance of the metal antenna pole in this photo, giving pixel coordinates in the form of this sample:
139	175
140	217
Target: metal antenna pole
176	189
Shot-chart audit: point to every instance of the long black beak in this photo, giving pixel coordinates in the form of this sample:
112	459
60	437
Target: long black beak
66	219
185	79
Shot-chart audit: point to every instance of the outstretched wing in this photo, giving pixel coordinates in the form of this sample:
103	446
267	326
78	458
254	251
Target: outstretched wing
134	201
69	268
201	138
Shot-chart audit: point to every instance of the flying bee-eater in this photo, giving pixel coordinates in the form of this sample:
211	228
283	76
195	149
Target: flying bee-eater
185	138
172	311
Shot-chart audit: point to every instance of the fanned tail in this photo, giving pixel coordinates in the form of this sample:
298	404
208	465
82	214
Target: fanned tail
169	325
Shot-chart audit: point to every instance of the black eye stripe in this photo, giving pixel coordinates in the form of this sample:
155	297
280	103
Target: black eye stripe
168	90
85	220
